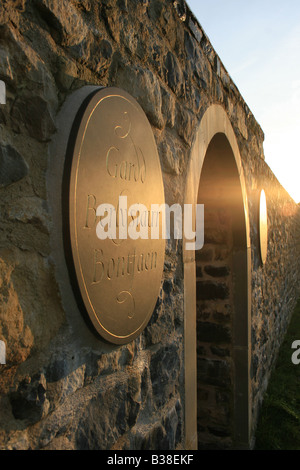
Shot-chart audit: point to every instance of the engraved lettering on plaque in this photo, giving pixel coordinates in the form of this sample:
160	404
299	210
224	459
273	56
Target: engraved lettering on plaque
90	211
113	177
133	169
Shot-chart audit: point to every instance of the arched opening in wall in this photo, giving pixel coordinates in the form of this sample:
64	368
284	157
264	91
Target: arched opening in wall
222	304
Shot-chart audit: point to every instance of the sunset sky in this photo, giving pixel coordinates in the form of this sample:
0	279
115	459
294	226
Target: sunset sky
259	45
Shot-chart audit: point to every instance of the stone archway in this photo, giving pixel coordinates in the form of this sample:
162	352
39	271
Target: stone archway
217	292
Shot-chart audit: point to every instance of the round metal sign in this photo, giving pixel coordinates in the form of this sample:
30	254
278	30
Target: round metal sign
112	180
263	226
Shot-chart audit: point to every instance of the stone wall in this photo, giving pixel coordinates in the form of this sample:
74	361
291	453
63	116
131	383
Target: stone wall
275	286
61	387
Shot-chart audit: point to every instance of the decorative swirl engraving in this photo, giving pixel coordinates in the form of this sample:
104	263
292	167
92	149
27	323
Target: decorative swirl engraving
120	130
126	296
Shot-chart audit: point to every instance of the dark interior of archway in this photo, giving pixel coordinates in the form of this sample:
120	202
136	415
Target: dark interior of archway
224	232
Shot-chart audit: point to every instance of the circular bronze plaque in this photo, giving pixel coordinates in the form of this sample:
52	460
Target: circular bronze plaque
112	180
263	226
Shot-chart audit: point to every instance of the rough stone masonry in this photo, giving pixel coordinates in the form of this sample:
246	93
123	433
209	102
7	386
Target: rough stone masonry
61	387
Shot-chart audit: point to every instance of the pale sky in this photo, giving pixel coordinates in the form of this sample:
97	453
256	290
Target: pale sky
258	42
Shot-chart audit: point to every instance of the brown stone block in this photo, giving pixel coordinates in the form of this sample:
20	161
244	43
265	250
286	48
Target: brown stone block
207	290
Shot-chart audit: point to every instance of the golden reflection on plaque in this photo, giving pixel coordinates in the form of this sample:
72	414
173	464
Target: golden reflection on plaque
112	178
263	226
